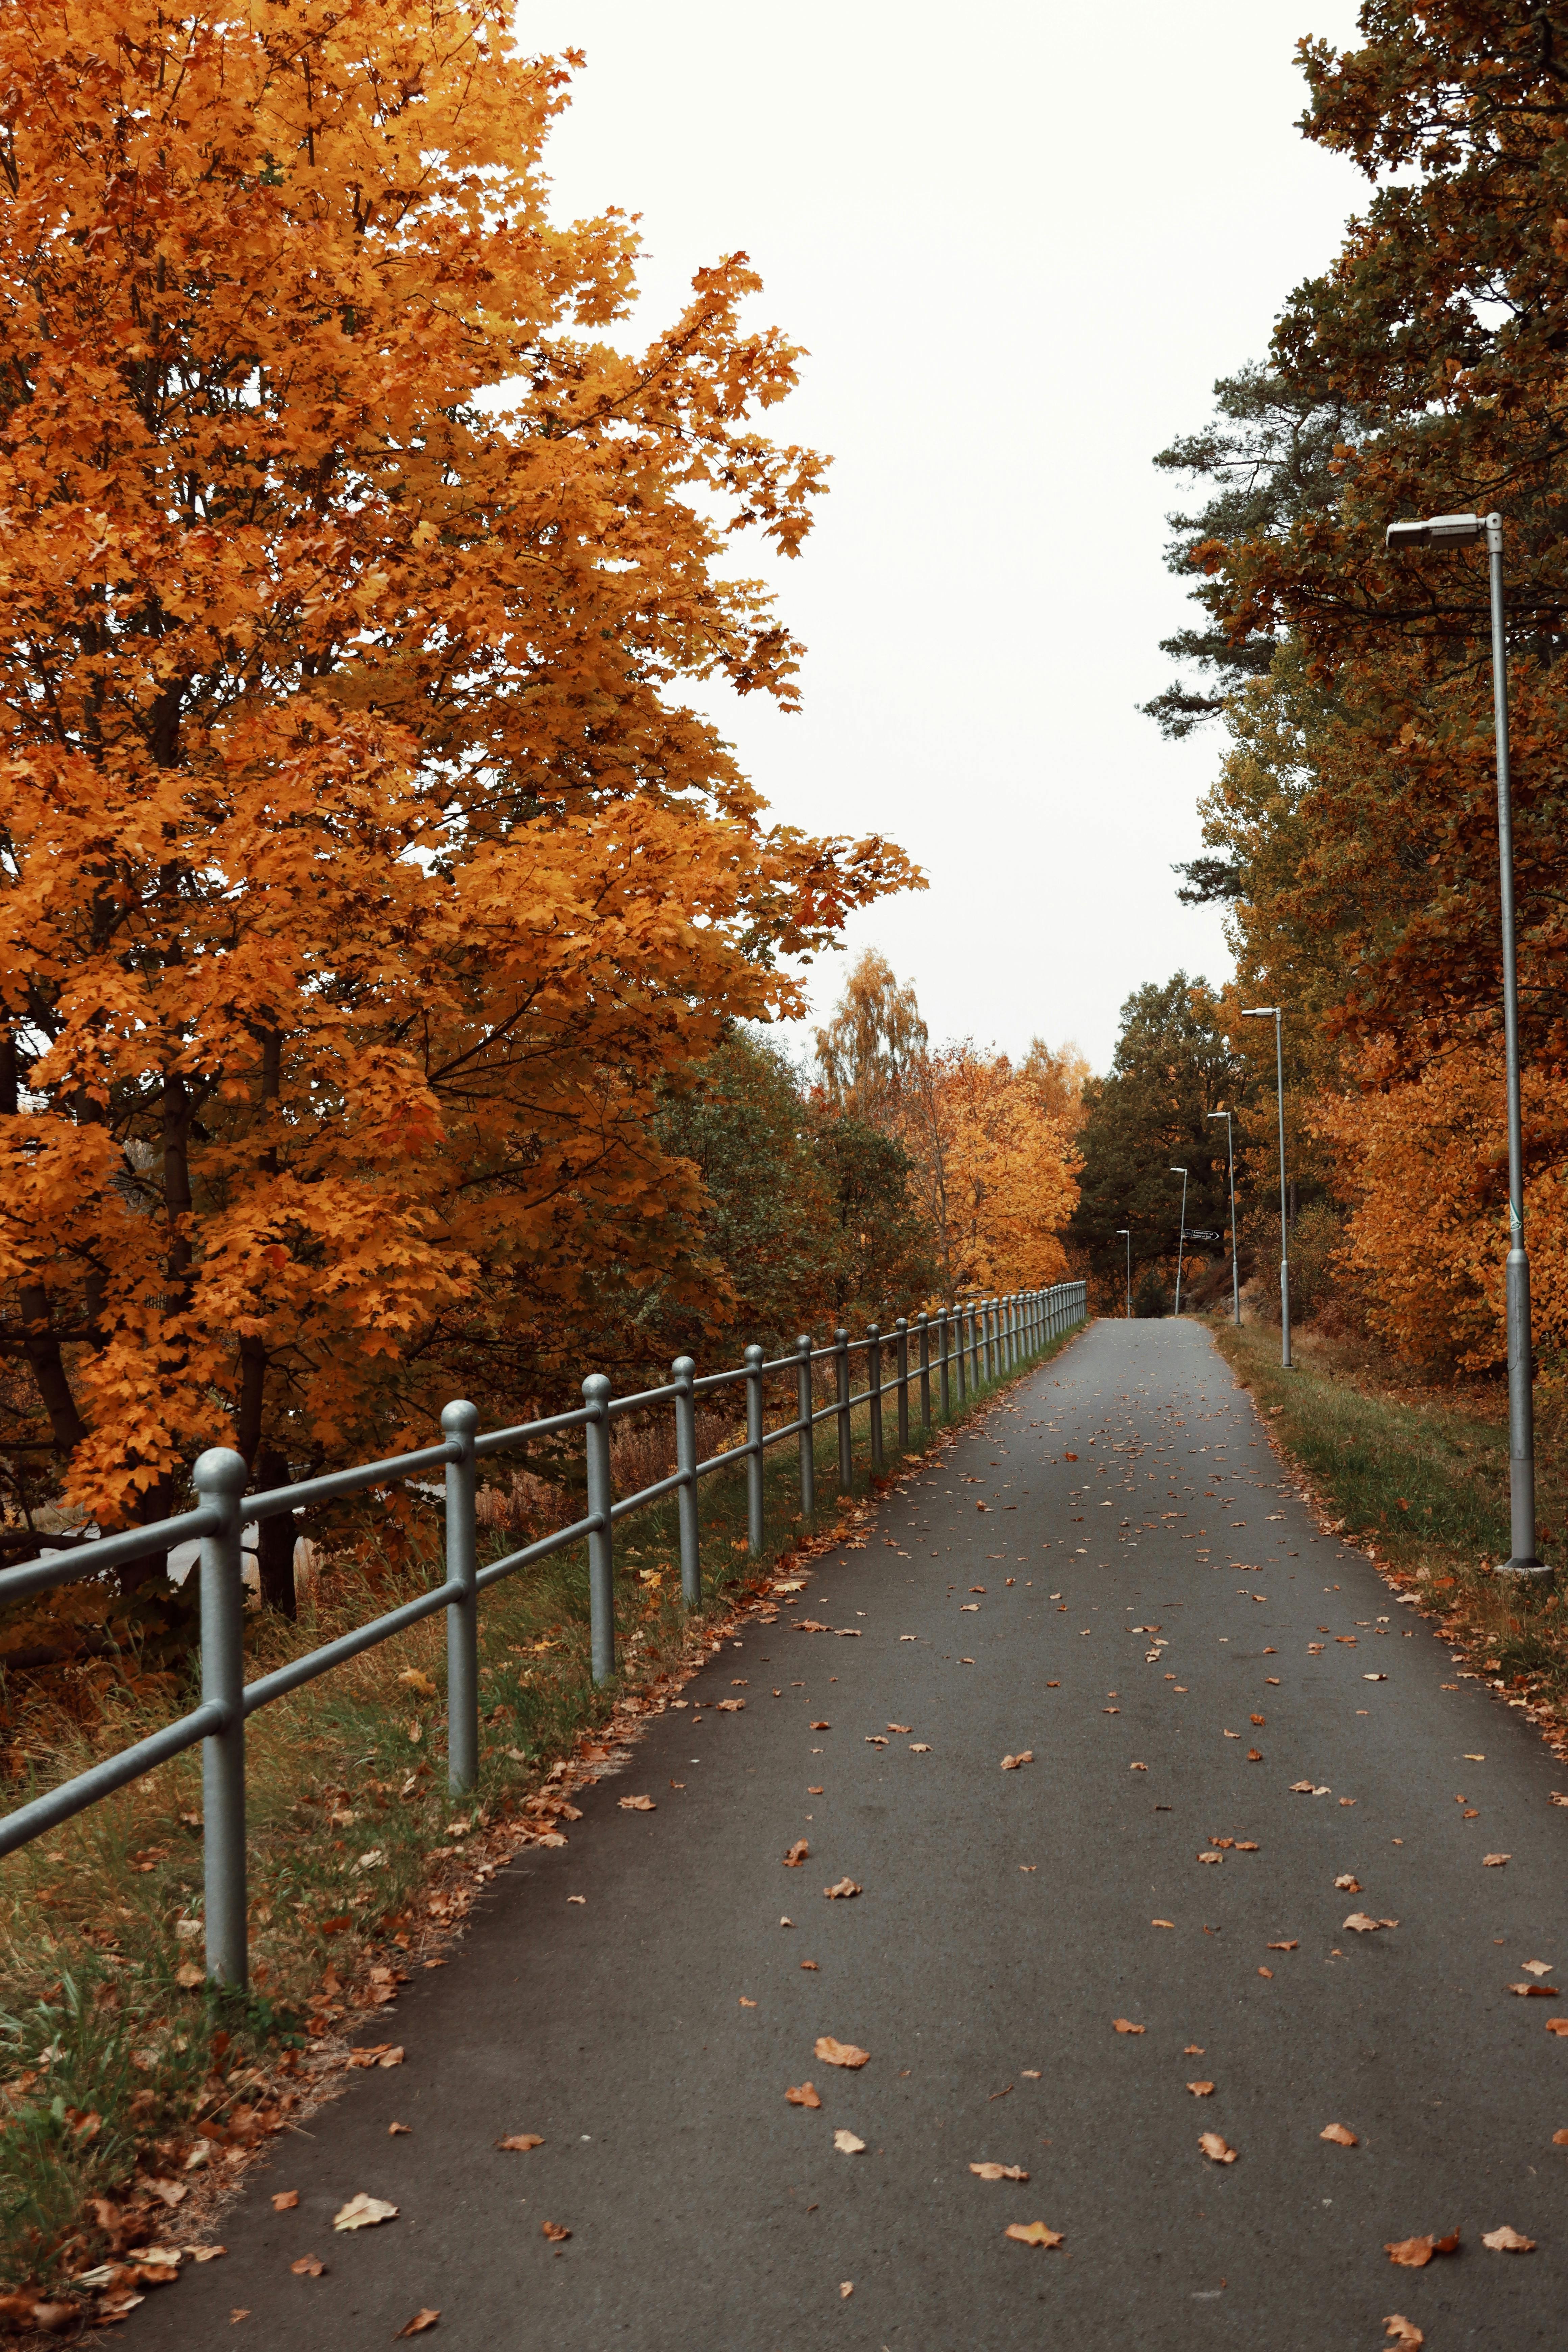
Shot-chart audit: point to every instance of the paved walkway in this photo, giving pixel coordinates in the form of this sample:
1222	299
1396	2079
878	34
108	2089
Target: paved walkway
650	2031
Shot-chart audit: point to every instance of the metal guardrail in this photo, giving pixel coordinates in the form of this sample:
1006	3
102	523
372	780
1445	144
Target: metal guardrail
960	1349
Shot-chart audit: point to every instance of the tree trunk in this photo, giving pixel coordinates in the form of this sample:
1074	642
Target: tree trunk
274	1538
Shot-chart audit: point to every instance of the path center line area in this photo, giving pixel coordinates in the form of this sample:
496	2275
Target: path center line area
1107	1921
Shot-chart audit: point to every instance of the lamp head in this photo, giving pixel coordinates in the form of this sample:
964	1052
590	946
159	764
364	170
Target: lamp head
1435	530
1257	1011
1178	1171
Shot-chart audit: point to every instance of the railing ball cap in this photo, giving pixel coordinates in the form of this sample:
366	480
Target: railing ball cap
459	1419
221	1472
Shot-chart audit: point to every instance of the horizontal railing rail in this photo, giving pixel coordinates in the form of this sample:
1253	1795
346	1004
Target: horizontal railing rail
961	1349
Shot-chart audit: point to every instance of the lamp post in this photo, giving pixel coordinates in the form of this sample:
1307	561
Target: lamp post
1182	1245
1230	1153
1467	531
1128	1231
1259	1012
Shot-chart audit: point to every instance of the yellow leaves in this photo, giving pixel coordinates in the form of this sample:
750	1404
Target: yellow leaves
1033	2234
839	2054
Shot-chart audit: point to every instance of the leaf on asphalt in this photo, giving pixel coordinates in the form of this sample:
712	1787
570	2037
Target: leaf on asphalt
1201	2090
1123	2025
1362	1925
1507	2241
1300	1788
1211	1857
846	2289
1258	1719
799	1852
1293	1946
1339	2136
1407	2337
1560	2139
803	2095
1137	1767
1011	1763
1247	1845
640	1804
1415	2253
838	2054
361	2212
848	2145
285	2199
919	1748
1216	2149
1255	1755
1161	1923
1347	1883
731	1706
1495	1860
1536	1967
902	1728
1543	1991
419	2324
822	1727
998	2172
554	2232
309	2266
393	2129
1069	1457
744	2003
842	1889
1374	1678
1557	2025
1194	2049
520	2140
1035	2233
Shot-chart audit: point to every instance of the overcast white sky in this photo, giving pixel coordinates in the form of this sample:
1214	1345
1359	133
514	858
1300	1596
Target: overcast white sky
1019	243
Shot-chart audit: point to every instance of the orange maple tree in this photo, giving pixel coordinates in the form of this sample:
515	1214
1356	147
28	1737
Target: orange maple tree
362	874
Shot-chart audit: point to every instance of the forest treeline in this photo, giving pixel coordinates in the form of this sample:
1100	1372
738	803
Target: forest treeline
1351	831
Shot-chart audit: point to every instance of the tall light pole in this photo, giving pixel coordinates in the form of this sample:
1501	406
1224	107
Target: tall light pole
1259	1012
1466	531
1230	1153
1182	1245
1128	1231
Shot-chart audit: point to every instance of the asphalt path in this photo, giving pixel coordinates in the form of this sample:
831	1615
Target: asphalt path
1165	1626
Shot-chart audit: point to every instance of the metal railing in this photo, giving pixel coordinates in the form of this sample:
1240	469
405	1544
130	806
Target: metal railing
960	1349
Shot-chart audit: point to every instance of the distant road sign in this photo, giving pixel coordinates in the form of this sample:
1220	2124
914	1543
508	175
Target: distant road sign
1195	1235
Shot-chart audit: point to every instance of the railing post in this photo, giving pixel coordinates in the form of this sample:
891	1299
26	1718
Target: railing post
986	1343
755	1358
874	1382
683	1371
602	1540
903	1327
846	1435
1010	1322
944	1382
459	1421
963	1384
807	1432
924	1321
973	1313
220	1476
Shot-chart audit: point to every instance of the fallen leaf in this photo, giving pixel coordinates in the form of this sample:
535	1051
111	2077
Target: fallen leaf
172	2192
998	2172
919	1748
1293	1946
393	2129
803	2095
846	2289
1536	1967
1259	1720
190	1973
1211	1857
1215	2150
1507	2241
1123	2026
799	1852
419	2324
1347	1885
1415	2253
554	2232
1035	2233
1161	1923
1265	1972
285	2199
309	2266
1560	2139
731	1706
1247	1845
848	2145
1030	2073
362	2212
838	2054
745	2004
1011	1763
1255	1755
1495	1860
902	1728
640	1804
842	1889
1194	2050
1339	2136
1557	2025
413	1680
520	2140
1137	1767
1201	2090
235	2316
1361	1924
1543	1991
1374	1678
1406	2335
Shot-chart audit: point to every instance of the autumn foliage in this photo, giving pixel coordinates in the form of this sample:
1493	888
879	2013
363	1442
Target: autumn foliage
364	876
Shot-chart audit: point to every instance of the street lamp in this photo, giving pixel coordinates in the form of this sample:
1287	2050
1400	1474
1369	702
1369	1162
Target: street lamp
1230	1152
1180	1245
1466	531
1259	1012
1128	1231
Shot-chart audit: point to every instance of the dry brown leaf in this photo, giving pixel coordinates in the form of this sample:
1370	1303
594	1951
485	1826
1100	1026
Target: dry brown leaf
1194	2049
1507	2241
1211	1857
1258	1719
822	1727
848	2145
1557	2025
1124	2026
731	1706
393	2129
239	2314
1339	2136
361	2212
1541	1991
1536	1967
1161	1923
1495	1860
799	1852
1255	1755
640	1804
803	2095
520	2140
1201	2090
846	2289
285	2199
1407	2337
1361	1924
554	2232
421	1684
190	1973
919	1748
1415	2253
1347	1883
998	2172
1011	1763
419	2324
1035	2233
842	1890
1293	1946
838	2054
745	2004
901	1728
1216	2149
309	2266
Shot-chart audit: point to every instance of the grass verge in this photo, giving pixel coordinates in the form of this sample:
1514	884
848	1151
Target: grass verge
129	2095
1418	1479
